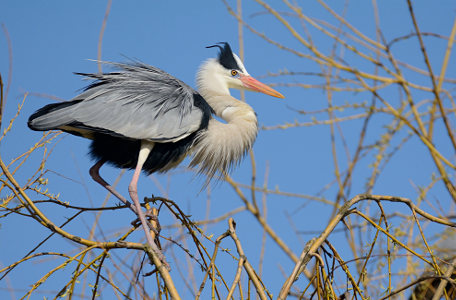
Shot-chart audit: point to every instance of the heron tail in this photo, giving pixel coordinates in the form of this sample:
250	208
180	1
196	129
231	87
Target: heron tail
52	116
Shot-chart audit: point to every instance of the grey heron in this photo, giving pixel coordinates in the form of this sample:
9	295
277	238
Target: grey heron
140	117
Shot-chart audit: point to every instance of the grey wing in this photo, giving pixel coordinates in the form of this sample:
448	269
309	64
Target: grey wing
138	102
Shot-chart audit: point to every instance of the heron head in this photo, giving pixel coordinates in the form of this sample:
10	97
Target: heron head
232	71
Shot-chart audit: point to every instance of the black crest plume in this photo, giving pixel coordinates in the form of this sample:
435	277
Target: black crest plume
226	57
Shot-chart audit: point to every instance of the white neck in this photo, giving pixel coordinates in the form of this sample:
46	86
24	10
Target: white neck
209	83
222	145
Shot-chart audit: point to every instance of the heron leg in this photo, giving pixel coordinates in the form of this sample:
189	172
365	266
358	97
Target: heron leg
146	148
95	174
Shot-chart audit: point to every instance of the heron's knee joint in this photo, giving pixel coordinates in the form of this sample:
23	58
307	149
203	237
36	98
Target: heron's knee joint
132	189
93	172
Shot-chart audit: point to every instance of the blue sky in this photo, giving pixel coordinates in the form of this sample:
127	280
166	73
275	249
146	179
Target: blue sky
52	39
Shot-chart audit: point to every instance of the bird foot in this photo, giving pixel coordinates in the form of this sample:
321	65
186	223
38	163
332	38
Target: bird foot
152	220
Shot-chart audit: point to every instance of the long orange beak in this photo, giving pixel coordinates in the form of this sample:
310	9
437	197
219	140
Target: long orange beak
254	85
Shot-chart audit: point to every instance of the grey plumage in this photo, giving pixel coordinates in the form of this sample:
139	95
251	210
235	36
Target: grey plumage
138	102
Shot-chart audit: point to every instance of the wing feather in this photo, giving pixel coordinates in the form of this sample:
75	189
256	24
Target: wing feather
138	102
141	102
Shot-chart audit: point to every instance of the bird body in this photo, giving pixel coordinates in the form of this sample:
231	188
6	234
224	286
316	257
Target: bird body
143	105
143	118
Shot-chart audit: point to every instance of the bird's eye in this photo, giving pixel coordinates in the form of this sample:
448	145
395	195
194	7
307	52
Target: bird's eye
234	72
